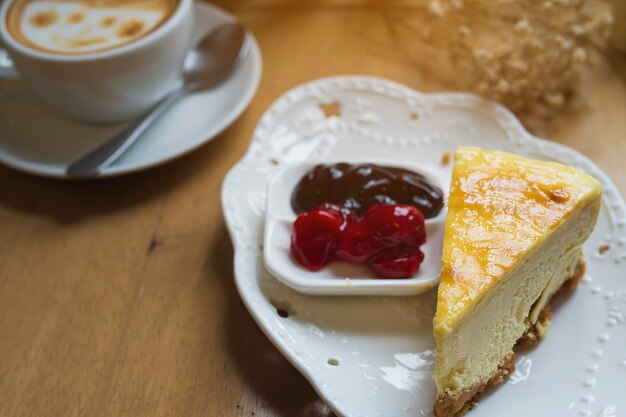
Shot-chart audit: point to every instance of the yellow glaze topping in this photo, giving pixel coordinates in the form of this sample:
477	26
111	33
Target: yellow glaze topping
500	206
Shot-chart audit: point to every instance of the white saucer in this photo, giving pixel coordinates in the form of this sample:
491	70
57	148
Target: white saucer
36	139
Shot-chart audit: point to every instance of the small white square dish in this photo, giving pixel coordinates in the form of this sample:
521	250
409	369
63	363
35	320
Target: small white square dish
343	278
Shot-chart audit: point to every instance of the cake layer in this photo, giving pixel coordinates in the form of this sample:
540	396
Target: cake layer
458	403
471	351
500	207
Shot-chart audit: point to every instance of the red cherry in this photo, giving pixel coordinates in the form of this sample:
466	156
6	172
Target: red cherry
347	214
315	237
357	244
387	238
396	225
397	262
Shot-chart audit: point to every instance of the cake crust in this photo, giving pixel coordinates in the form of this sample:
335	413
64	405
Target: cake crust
457	404
460	403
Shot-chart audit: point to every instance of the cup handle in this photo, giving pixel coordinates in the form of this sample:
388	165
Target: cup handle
7	69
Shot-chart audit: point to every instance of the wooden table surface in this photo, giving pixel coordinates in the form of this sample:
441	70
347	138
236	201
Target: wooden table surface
117	296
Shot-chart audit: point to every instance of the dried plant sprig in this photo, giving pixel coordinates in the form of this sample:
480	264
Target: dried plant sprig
522	53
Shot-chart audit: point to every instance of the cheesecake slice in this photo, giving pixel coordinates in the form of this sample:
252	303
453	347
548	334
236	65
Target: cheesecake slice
513	237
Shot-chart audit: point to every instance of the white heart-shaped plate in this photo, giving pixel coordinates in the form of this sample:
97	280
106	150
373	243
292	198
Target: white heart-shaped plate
373	355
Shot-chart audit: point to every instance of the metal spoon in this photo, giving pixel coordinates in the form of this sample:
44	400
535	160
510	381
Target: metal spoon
206	66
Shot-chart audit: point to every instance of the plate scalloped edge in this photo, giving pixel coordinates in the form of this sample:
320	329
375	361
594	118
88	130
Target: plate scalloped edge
313	134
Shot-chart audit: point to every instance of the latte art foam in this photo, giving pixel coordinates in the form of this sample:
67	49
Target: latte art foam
78	27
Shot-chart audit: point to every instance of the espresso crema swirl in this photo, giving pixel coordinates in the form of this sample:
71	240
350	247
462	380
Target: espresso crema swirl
84	26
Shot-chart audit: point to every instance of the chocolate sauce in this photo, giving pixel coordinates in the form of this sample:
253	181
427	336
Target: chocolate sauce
359	187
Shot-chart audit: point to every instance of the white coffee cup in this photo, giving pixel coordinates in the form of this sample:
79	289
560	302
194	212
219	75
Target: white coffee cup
110	86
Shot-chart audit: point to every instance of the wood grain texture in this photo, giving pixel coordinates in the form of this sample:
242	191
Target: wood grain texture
117	296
